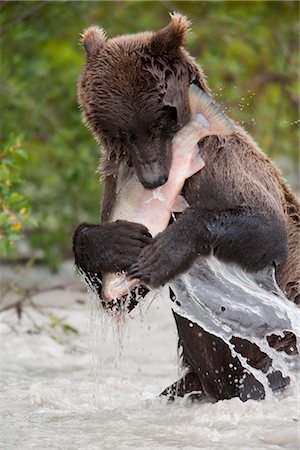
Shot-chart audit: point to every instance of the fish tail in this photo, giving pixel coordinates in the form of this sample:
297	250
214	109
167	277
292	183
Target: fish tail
208	113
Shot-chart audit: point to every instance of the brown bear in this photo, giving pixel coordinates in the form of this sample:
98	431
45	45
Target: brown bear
134	95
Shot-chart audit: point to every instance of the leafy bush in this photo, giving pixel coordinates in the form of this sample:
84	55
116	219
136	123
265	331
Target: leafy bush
15	207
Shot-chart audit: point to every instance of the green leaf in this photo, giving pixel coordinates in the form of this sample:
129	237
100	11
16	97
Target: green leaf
22	153
4	173
70	329
3	218
55	321
15	197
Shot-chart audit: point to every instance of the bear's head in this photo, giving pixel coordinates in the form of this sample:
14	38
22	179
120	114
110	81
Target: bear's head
134	96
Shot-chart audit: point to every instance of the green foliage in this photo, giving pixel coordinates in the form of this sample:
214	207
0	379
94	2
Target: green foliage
56	328
249	51
14	205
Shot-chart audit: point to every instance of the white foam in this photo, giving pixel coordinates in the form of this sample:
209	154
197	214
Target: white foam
226	301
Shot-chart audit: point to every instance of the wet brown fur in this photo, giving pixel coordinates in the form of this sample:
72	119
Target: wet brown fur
124	90
139	68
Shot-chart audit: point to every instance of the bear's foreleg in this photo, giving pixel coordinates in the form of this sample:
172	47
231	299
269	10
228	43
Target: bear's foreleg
252	238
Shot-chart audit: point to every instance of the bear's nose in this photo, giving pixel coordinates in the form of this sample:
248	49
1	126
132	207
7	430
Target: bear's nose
153	183
152	174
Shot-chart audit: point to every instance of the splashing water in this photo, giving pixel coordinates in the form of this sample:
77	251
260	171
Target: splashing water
227	302
224	300
109	332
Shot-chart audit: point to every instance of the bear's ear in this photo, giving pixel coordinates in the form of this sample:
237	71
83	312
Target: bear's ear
170	38
93	39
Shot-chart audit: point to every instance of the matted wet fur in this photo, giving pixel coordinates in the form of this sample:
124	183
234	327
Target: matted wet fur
134	95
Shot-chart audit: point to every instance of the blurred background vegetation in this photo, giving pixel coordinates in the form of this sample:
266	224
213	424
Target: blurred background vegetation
48	160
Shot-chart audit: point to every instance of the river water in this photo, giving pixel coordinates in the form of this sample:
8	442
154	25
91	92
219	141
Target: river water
73	380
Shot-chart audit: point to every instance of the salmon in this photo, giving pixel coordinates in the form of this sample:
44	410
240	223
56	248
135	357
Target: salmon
153	208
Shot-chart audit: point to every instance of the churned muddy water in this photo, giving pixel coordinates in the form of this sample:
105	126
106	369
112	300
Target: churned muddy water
72	378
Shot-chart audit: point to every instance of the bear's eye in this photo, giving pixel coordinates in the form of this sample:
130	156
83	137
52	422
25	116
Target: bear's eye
169	121
170	113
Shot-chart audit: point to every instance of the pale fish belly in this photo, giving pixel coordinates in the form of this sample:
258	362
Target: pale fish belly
151	208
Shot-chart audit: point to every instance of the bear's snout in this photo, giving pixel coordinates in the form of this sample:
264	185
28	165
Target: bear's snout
152	174
153	183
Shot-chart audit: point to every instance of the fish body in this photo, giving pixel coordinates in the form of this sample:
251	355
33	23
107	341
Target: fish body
153	208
